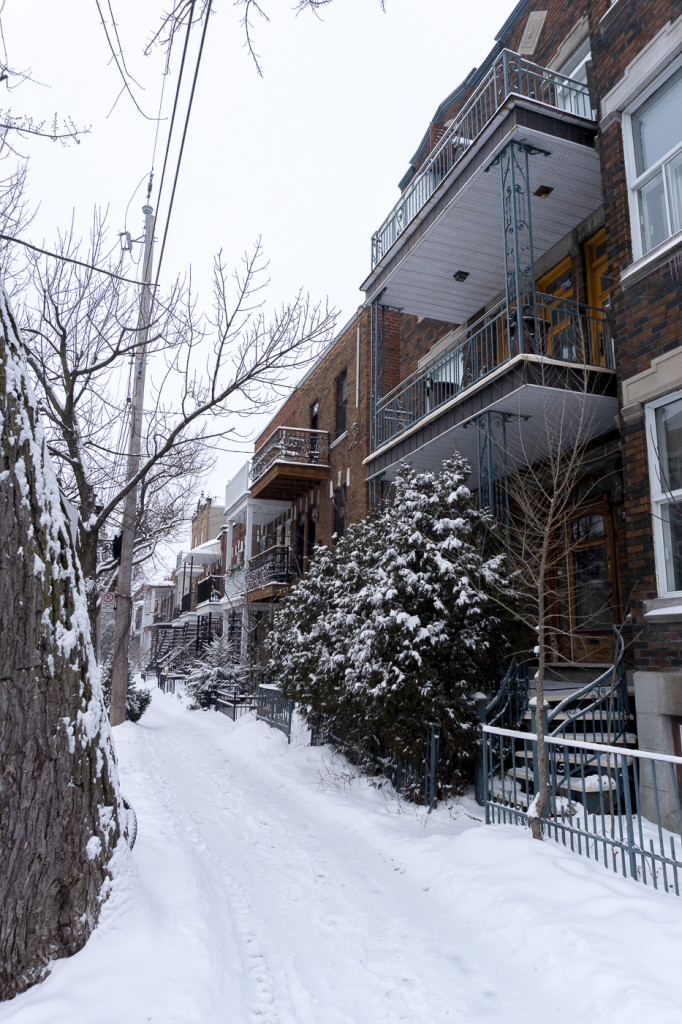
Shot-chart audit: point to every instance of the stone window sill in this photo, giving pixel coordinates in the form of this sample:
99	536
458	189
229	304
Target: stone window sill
645	264
663	609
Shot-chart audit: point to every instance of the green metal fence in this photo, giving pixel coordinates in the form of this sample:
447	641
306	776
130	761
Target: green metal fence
612	804
275	709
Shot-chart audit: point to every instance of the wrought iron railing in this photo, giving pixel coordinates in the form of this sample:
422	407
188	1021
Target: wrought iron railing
293	445
600	709
510	703
568	331
270	566
208	589
186	603
509	75
615	805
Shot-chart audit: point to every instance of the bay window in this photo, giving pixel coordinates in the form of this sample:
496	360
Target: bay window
655	172
664	437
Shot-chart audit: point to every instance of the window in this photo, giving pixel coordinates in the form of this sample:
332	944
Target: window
575	68
341	403
664	438
340	511
655	172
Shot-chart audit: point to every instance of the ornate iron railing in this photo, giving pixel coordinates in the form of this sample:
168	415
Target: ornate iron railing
510	703
208	589
509	75
568	331
270	566
293	445
599	710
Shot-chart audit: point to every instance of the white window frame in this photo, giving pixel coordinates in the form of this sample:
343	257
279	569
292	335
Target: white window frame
635	181
660	496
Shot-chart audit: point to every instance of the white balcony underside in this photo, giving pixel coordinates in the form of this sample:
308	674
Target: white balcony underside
467	233
544	420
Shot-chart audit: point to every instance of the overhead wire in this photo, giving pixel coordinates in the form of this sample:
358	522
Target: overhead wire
182	143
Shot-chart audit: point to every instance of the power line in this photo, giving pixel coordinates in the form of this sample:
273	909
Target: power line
184	137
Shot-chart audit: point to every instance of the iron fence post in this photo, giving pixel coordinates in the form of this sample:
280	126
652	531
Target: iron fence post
625	777
434	737
481	704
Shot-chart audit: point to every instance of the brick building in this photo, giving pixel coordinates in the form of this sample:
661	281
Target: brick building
529	272
539	230
305	483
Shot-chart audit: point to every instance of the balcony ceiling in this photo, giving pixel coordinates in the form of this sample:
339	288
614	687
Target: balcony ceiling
541	419
460	228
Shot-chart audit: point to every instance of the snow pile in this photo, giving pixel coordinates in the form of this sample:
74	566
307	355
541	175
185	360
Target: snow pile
268	884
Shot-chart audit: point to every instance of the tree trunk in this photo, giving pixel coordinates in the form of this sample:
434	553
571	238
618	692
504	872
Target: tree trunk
60	809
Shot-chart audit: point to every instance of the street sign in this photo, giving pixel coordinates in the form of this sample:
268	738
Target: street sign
107	598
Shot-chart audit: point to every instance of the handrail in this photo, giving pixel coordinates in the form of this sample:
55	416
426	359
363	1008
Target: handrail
510	75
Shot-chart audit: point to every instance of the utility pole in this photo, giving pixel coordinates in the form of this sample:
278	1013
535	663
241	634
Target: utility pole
124	598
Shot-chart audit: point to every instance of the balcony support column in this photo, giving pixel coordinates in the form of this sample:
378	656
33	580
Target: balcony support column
377	371
522	319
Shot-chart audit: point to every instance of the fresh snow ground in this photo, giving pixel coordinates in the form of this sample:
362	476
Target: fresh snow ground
269	887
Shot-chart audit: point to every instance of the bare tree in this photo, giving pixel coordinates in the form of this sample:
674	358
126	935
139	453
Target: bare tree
549	487
84	338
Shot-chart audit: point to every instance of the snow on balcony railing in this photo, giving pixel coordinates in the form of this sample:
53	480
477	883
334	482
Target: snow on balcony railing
270	566
293	445
560	329
509	75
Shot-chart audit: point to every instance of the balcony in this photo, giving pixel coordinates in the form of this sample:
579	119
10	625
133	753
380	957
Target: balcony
523	149
510	75
568	332
208	590
268	572
548	383
290	462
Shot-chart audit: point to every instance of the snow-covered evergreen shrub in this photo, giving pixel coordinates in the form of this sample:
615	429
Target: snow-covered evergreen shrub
218	668
395	627
137	698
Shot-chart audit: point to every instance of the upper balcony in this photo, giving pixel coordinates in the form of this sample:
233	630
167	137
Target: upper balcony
449	218
548	382
290	462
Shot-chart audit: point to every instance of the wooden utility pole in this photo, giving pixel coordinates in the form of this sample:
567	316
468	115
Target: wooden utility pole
124	599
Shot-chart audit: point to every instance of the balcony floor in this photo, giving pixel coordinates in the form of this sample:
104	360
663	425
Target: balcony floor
286	481
548	406
460	227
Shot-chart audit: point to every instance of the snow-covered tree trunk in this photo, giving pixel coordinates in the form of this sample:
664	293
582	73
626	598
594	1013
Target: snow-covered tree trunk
60	811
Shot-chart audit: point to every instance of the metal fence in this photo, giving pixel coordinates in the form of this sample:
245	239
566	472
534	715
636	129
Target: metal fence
509	75
275	709
235	704
612	804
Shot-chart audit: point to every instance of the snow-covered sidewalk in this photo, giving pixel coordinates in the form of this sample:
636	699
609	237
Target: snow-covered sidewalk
266	886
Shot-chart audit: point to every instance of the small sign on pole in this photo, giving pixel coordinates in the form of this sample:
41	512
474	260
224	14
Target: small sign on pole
108	597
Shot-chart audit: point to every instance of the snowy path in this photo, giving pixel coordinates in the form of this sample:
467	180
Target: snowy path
265	889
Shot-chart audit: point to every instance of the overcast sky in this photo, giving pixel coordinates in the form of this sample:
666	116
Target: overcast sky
308	156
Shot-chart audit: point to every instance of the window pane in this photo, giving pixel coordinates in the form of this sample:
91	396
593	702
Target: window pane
672	545
656	126
652	212
592	590
669	433
674	172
